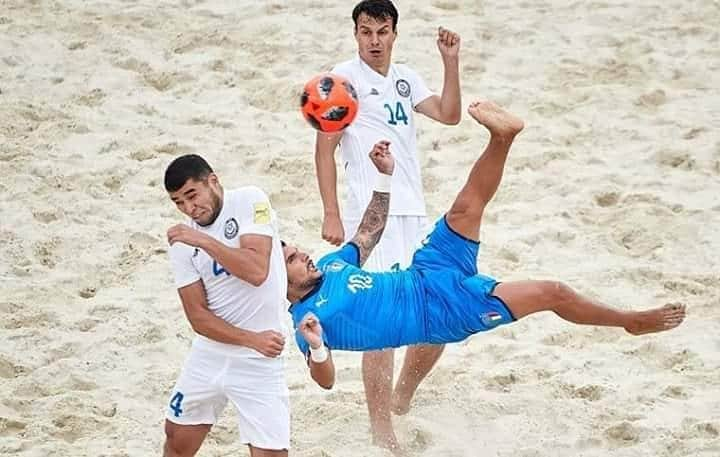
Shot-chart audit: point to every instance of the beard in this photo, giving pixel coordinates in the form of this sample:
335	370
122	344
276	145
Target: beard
217	207
310	284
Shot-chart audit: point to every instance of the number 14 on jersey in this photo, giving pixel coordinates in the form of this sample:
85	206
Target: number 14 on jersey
397	115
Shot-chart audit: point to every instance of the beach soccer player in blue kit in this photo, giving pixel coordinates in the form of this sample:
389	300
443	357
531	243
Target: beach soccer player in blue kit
440	297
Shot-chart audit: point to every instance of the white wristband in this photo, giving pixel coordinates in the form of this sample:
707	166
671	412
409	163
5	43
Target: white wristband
319	355
383	183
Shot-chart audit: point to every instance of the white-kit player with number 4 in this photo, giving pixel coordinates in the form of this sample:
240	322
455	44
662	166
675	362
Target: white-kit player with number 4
388	95
230	274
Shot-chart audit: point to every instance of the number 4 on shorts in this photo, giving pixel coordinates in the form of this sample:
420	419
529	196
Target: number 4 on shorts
175	403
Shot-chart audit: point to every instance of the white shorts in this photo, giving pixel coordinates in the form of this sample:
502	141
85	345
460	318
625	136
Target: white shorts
402	236
255	385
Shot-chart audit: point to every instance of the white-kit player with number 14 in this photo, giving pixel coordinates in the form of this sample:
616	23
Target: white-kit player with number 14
231	277
388	96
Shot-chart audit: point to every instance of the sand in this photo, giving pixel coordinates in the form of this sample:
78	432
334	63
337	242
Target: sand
614	187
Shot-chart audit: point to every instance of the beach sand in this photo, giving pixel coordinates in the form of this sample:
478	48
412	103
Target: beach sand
613	187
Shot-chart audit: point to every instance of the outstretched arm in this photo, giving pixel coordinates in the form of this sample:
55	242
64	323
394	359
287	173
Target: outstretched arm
373	222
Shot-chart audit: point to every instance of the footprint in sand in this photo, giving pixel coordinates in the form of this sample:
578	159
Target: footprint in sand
446	5
71	427
47	216
674	159
605	199
502	383
10	370
652	99
676	392
11	427
420	440
623	434
45	252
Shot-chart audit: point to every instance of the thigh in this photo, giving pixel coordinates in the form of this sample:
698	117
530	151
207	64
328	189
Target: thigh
444	249
257	452
257	389
526	297
196	398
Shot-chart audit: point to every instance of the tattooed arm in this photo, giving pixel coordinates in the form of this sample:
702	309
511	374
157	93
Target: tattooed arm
373	222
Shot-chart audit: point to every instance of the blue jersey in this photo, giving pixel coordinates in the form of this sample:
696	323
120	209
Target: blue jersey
360	310
440	298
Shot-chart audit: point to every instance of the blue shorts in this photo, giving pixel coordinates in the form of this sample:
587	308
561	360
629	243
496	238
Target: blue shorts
460	300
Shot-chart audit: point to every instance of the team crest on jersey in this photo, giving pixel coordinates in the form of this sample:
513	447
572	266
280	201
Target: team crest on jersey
231	228
403	87
335	266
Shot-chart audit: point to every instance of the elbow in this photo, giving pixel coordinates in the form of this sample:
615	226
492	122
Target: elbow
198	326
326	384
259	277
453	118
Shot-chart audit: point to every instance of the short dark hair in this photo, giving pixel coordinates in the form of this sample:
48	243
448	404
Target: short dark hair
189	166
376	9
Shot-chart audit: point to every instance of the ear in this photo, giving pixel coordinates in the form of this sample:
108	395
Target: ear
213	181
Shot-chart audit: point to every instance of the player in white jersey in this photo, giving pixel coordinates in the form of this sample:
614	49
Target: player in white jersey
389	94
231	278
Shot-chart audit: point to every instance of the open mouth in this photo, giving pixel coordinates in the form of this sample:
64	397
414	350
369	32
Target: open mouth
311	266
375	52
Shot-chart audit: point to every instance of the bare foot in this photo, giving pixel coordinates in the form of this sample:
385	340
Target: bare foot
497	120
657	320
388	440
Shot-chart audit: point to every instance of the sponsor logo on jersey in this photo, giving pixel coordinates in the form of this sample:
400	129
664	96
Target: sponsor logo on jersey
335	266
374	91
261	213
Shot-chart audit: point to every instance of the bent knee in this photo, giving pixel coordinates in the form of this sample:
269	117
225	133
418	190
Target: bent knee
556	292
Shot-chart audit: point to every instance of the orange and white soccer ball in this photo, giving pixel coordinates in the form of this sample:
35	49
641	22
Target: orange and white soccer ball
329	102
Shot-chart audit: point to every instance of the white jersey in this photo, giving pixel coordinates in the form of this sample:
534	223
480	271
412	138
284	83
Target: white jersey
386	112
245	210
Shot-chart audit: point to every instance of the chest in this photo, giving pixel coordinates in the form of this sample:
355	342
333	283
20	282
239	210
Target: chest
387	103
209	269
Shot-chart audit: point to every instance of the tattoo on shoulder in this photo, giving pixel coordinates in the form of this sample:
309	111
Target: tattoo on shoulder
372	224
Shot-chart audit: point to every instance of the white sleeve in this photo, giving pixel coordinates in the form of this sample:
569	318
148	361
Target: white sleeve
254	213
181	260
420	91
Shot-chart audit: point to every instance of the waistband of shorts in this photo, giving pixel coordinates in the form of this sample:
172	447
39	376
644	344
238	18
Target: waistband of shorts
229	350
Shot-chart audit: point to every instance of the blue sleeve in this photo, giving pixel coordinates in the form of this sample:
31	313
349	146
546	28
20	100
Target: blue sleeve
349	253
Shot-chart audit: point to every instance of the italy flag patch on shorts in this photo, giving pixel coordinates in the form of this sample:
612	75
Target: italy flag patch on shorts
261	213
491	319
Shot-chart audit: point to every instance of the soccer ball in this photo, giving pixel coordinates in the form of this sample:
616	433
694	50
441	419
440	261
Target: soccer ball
329	102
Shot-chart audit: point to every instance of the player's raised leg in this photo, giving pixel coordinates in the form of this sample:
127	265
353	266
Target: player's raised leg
466	212
527	297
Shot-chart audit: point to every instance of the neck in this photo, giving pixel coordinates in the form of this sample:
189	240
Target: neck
382	69
299	292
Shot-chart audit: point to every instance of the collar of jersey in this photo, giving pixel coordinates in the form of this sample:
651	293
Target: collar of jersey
309	294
